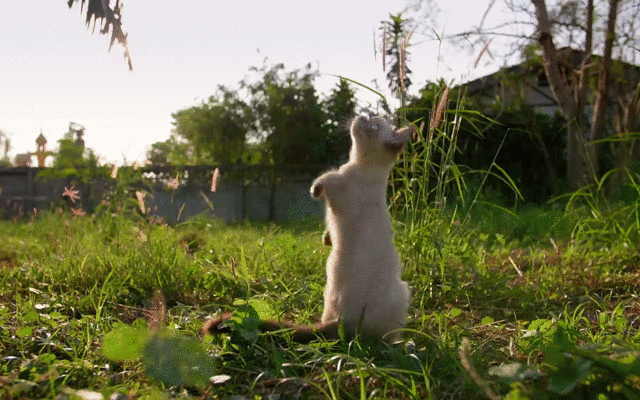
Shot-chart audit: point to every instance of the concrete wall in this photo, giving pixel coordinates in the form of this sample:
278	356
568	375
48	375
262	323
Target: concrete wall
237	197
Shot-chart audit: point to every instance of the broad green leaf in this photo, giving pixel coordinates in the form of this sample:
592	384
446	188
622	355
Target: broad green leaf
262	308
125	343
47	358
486	321
31	316
177	360
247	321
515	372
569	375
24	331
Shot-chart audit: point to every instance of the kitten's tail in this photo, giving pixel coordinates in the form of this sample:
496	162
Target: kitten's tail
301	333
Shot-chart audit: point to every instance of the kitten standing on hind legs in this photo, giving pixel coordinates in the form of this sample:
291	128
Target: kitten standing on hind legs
364	291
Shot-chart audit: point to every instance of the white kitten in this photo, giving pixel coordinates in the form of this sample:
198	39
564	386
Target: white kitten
364	290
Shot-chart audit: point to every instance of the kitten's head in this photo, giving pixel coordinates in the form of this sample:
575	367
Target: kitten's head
375	140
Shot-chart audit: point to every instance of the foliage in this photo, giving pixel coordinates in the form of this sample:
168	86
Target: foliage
531	152
575	41
173	151
124	197
167	357
111	17
394	53
282	122
217	129
610	370
528	146
290	116
72	161
340	108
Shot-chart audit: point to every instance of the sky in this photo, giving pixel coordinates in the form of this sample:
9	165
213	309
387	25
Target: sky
53	71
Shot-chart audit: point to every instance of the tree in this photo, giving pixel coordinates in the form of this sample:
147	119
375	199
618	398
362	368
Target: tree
72	160
282	122
340	107
217	129
576	24
173	151
111	17
289	116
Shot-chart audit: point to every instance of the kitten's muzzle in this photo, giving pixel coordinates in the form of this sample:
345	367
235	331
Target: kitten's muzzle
399	138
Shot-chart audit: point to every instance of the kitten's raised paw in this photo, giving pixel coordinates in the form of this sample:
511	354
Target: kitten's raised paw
316	190
326	239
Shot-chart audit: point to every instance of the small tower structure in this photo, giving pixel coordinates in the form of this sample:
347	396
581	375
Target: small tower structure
79	140
41	153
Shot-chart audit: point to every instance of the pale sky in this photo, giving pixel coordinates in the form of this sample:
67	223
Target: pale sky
53	71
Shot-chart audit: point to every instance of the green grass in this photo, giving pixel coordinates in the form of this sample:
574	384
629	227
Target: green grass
528	307
525	303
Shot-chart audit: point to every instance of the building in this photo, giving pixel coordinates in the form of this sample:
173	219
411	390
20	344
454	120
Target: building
527	81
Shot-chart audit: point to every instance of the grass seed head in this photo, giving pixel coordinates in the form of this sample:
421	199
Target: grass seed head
403	67
140	197
418	132
174	183
114	172
384	47
403	60
157	311
215	179
180	211
438	116
72	194
484	50
77	212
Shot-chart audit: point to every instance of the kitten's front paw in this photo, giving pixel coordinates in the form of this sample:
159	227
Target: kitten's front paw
316	190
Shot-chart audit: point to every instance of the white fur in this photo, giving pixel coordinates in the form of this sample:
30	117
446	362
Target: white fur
364	290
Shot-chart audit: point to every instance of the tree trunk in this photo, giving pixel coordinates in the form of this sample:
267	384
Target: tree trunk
580	157
626	154
601	107
557	82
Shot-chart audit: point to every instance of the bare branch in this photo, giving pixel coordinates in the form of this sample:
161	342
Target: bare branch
588	44
486	12
468	34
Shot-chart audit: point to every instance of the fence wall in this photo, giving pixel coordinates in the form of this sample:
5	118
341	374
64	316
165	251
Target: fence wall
244	193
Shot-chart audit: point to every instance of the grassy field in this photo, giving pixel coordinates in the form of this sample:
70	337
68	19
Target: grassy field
529	304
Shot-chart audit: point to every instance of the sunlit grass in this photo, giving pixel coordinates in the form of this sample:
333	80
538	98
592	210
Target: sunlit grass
66	283
536	303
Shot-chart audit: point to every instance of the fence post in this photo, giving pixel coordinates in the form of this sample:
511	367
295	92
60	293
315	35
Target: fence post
243	199
272	195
